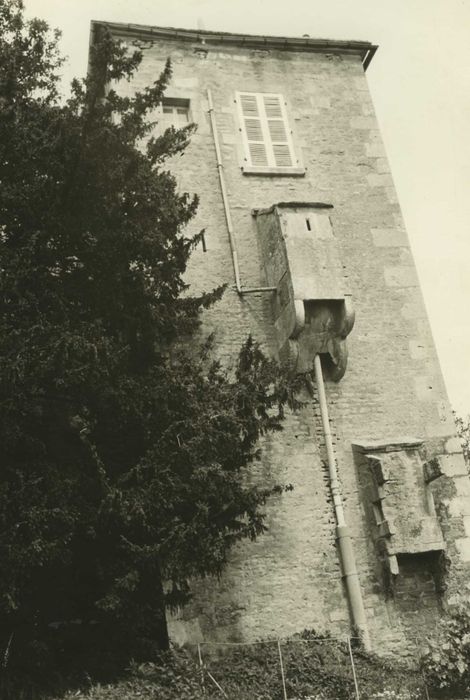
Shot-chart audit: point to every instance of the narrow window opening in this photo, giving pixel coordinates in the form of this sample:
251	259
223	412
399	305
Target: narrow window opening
309	227
203	243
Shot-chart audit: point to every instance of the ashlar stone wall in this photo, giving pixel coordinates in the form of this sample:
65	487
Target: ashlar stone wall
290	578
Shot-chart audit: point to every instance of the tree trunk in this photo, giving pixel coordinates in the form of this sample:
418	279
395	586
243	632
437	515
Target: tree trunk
162	638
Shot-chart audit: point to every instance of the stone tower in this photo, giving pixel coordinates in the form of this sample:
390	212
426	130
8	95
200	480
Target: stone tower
303	225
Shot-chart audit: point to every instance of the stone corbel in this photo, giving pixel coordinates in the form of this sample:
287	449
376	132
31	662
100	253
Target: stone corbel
299	324
337	346
322	327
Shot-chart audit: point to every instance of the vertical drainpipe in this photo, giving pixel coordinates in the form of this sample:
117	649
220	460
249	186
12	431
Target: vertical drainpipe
346	550
228	218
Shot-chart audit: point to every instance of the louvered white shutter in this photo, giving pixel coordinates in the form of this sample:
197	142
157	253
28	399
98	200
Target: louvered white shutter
265	130
252	125
278	130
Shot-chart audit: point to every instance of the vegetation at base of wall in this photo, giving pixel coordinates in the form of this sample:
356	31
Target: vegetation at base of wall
315	668
446	666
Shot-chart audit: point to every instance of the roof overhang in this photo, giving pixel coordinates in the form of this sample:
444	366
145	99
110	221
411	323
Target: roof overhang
363	49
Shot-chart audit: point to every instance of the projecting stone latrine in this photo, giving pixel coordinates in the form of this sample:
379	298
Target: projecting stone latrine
307	204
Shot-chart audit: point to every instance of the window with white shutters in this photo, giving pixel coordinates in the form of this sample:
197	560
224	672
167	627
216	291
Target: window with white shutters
267	138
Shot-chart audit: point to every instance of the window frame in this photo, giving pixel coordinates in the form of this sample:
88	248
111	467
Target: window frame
175	103
270	168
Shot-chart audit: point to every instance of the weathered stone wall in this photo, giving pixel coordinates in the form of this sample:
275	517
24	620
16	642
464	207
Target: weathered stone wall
290	578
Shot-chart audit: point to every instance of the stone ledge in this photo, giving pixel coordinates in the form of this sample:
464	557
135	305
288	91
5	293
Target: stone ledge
391	445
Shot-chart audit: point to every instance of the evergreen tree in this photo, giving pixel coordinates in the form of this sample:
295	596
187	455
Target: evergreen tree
123	460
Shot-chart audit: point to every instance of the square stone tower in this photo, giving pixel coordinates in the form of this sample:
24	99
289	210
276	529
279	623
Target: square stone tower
303	225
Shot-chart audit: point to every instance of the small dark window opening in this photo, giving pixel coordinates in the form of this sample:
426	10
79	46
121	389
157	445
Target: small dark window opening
307	221
421	578
203	243
177	102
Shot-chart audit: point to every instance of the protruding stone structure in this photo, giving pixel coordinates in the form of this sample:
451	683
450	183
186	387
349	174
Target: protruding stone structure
312	310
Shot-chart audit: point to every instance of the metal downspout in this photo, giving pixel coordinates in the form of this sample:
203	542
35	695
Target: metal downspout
346	549
228	217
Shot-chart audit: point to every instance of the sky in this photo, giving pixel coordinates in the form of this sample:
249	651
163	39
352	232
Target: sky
420	84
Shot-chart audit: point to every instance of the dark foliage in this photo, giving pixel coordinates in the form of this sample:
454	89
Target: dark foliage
446	665
122	460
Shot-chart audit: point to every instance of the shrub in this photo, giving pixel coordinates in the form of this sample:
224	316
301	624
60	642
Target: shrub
446	665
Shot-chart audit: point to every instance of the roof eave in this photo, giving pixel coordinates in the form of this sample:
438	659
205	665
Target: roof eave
364	49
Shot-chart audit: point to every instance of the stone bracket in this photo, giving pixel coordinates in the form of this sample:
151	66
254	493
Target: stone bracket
322	328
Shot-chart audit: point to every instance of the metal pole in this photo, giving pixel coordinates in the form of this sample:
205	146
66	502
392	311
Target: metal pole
282	670
422	671
217	684
353	669
346	549
201	665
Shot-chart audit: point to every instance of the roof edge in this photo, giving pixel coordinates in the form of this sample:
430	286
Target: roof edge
364	49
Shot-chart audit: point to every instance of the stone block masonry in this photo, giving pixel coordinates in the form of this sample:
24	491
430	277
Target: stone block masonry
290	578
